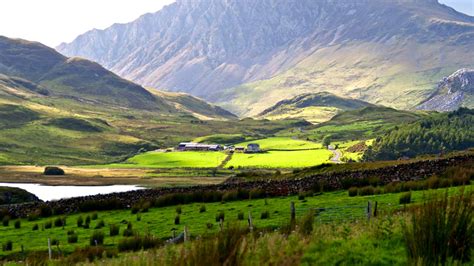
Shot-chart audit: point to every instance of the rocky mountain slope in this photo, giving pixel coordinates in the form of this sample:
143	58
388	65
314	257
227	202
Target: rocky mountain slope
248	55
313	107
452	92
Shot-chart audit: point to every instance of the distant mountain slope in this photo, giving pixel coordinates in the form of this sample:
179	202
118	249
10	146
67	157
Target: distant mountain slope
247	55
313	107
31	67
195	106
452	92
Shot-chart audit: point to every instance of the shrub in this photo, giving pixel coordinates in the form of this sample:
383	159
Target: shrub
94	216
114	230
100	224
393	187
365	191
45	211
441	229
53	170
176	219
433	182
72	238
6	221
17	224
378	191
460	180
129	231
138	242
265	215
240	215
178	210
353	191
256	193
88	220
35	227
70	232
230	196
220	216
7	246
301	196
445	182
135	209
306	223
97	238
139	217
202	209
60	222
80	221
54	242
405	198
48	225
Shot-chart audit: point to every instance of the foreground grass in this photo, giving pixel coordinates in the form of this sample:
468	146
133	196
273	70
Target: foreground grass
160	222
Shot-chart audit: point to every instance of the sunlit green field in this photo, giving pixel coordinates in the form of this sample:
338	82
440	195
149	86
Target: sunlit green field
283	143
191	159
161	221
280	159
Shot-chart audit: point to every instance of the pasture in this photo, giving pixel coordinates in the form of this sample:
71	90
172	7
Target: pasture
188	159
280	159
160	222
283	143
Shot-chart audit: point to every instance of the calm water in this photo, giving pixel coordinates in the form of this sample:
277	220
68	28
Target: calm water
47	193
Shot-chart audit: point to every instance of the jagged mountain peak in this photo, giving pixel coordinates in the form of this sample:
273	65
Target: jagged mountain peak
209	48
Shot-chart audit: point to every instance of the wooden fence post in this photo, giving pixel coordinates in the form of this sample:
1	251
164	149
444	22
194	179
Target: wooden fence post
375	209
293	215
369	210
221	224
49	248
185	233
250	222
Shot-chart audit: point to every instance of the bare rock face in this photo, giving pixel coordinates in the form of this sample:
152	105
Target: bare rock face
206	46
452	92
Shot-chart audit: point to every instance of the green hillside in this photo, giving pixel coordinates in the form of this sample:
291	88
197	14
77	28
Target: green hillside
313	107
437	133
366	123
58	110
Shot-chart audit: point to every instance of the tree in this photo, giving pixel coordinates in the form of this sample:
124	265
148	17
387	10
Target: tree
326	141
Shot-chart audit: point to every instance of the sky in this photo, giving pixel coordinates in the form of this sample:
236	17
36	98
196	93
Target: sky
55	21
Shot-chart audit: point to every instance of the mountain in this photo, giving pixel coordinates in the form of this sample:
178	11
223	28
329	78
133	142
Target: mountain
452	92
247	55
313	107
40	69
59	110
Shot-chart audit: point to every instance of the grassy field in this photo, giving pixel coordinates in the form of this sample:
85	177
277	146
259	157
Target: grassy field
283	143
161	221
189	159
280	159
100	175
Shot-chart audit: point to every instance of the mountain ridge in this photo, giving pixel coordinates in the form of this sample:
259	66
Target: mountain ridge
218	49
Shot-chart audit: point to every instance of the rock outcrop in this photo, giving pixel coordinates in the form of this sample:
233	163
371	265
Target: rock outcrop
452	92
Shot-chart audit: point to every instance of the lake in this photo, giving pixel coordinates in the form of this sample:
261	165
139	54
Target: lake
47	193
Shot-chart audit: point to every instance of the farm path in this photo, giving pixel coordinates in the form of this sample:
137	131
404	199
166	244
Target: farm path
337	156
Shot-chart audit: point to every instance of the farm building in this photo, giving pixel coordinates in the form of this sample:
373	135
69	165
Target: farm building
252	148
239	149
191	146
